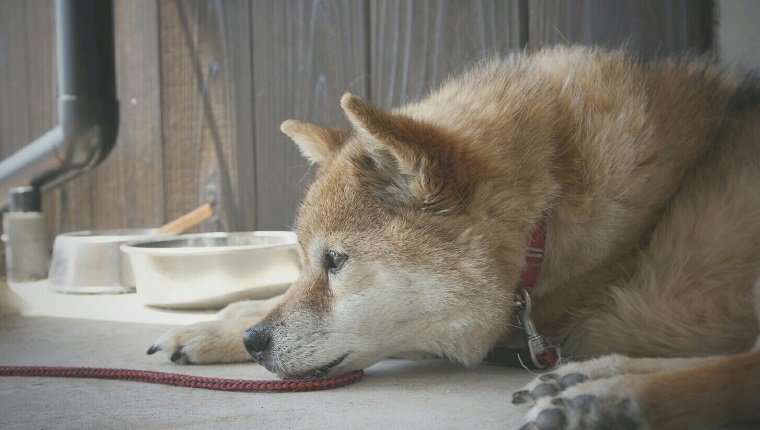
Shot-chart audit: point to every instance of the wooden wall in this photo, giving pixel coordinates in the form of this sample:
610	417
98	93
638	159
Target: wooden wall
204	85
737	36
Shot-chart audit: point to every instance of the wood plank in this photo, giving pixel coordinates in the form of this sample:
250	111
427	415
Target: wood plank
14	104
415	45
738	33
650	27
127	186
238	60
206	93
306	55
41	71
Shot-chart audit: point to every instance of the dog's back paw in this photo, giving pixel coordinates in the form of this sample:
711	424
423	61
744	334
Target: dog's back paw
641	393
579	403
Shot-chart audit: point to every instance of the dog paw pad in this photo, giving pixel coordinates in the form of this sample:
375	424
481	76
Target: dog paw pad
571	379
551	419
543	390
584	403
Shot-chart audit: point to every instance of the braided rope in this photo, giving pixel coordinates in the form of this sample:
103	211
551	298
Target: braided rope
219	384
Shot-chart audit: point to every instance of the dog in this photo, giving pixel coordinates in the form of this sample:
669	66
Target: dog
415	231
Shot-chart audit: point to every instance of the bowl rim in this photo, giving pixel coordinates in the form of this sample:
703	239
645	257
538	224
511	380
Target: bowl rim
134	247
108	235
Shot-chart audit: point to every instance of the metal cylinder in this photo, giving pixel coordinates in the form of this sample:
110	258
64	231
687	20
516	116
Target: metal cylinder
26	199
84	36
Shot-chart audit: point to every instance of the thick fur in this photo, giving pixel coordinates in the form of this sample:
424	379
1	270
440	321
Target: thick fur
648	175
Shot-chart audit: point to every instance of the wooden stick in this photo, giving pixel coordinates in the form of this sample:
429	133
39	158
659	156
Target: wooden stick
187	220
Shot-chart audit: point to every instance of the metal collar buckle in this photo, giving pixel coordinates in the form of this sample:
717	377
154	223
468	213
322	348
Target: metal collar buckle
542	353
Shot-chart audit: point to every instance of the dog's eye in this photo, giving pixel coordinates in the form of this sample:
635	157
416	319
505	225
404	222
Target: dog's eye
334	261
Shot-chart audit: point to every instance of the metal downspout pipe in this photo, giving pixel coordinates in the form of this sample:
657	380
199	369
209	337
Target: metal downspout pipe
87	105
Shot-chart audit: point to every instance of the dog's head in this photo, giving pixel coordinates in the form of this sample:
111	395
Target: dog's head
398	250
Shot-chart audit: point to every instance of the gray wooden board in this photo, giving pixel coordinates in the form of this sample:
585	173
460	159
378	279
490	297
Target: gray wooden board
206	106
650	27
305	55
136	195
415	45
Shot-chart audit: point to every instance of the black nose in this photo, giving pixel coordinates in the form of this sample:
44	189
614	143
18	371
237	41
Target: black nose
257	339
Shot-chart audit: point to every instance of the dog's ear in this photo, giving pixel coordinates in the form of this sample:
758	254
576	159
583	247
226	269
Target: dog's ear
413	159
316	143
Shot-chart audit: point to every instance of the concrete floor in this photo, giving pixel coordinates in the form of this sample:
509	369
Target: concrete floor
392	394
115	331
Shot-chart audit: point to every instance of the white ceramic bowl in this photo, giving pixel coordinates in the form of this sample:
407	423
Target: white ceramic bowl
210	270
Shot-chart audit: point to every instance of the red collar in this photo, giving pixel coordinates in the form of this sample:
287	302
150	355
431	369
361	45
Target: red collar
542	353
534	257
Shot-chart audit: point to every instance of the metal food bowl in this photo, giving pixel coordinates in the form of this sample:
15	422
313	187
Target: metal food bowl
90	262
211	270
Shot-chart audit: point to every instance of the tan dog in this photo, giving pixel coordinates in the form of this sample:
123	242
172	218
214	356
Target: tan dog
414	237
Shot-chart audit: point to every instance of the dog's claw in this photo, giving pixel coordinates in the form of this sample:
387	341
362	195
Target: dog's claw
153	349
179	355
520	397
549	377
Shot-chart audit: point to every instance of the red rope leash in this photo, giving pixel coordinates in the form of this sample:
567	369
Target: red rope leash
219	384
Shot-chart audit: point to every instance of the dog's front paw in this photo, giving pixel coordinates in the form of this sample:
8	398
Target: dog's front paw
205	343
